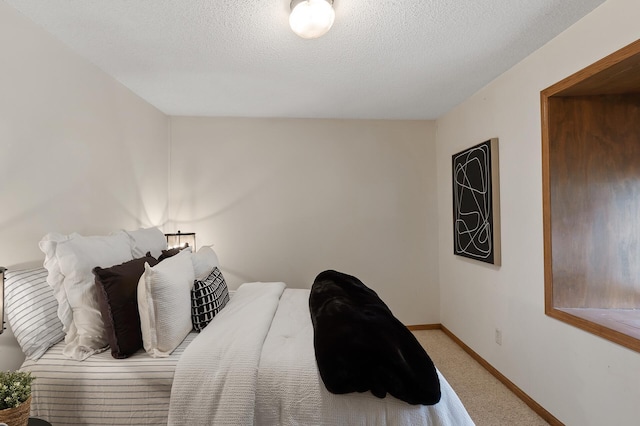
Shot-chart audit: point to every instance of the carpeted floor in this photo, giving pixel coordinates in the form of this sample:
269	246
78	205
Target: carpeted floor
488	401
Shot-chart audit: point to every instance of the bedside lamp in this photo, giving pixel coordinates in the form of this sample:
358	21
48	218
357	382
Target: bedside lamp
2	297
181	240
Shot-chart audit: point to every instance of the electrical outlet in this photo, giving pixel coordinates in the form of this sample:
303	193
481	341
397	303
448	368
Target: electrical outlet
498	336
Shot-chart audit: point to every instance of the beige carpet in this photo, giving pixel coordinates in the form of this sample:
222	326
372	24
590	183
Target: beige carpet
488	401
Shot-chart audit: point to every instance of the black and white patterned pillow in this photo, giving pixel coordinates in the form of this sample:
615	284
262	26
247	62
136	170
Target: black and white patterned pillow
208	297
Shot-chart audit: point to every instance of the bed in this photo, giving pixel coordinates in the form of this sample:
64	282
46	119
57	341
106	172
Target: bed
254	363
102	390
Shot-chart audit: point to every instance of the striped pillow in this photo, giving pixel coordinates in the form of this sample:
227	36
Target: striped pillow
32	311
208	297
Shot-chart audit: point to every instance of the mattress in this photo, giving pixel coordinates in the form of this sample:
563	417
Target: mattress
102	390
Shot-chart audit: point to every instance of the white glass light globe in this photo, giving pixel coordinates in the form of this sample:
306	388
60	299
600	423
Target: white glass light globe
312	18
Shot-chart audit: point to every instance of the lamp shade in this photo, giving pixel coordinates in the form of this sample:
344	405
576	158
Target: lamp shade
181	240
311	18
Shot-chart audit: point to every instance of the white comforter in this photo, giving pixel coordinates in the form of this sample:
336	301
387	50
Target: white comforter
255	364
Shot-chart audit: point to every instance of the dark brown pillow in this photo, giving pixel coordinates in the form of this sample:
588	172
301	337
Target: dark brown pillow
118	299
168	253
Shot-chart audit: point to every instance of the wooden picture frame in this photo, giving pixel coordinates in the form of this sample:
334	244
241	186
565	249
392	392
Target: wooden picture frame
476	203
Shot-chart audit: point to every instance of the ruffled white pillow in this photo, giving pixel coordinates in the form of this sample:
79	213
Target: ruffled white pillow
69	261
147	240
48	245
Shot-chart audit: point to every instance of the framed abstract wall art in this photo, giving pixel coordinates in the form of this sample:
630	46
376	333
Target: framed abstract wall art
476	203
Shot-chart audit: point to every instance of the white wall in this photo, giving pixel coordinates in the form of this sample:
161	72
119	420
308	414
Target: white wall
578	377
284	199
79	151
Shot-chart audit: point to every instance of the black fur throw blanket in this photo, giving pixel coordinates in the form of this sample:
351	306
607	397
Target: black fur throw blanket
361	346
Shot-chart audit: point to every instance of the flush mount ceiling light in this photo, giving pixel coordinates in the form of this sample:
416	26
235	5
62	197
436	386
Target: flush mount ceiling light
311	18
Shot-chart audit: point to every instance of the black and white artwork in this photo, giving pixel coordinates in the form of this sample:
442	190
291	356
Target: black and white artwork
476	208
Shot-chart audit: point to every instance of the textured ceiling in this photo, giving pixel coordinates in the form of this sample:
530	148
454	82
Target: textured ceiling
385	59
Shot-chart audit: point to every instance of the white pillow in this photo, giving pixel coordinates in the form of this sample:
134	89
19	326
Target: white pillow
48	245
147	240
32	311
76	256
204	260
164	303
